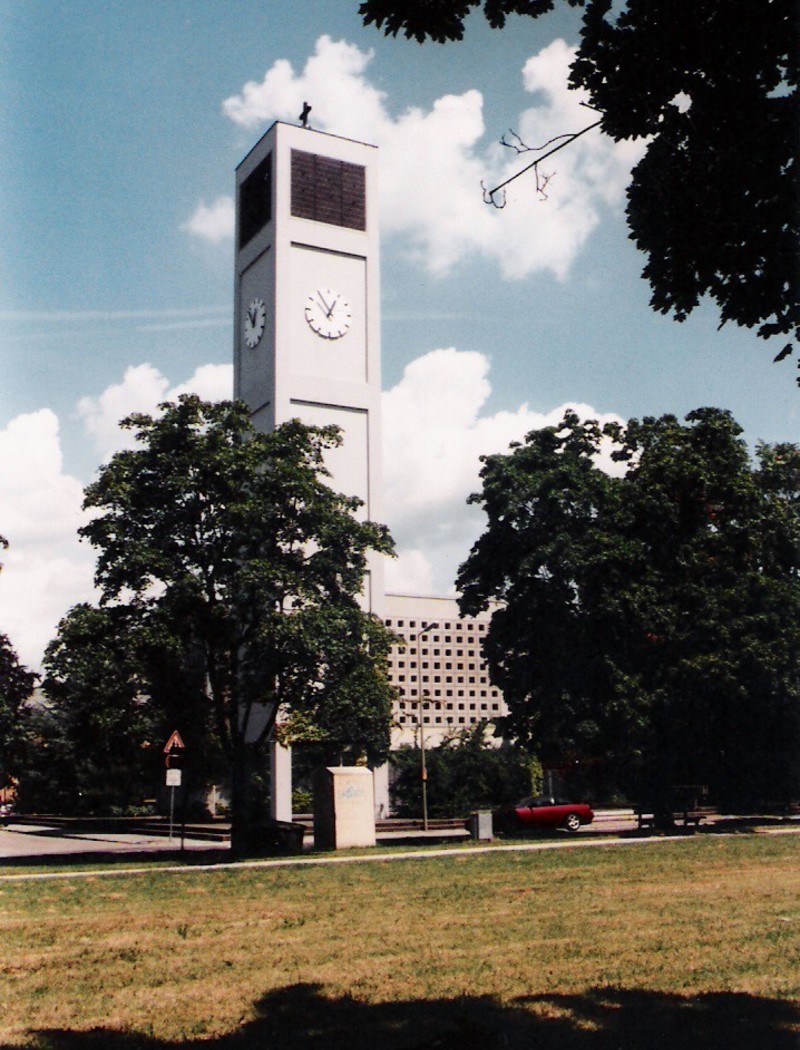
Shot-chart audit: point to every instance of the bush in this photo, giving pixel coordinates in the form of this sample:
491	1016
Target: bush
302	800
464	774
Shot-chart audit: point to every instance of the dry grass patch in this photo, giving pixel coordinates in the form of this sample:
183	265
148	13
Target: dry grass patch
633	946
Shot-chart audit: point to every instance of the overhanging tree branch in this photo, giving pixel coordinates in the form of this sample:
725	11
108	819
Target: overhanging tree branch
490	196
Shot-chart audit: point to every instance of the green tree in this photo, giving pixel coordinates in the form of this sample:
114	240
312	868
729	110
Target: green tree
350	715
650	618
47	782
16	686
711	85
115	687
233	538
464	774
113	691
97	726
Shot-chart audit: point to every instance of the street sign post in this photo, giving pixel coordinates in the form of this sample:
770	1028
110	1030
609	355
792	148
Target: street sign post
174	743
173	749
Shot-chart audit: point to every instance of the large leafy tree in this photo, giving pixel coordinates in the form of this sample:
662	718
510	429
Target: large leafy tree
96	724
712	85
650	618
232	538
115	687
16	685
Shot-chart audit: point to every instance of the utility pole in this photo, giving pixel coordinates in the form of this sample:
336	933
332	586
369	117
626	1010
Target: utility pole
423	770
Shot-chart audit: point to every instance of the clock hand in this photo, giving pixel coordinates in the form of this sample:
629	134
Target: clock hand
333	307
325	306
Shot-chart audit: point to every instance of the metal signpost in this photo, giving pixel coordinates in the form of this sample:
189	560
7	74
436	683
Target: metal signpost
173	749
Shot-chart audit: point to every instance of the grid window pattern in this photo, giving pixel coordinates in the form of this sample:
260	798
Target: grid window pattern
422	698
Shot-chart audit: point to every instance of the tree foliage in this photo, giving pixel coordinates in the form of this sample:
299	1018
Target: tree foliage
712	86
463	774
114	688
16	686
96	725
652	618
214	535
349	713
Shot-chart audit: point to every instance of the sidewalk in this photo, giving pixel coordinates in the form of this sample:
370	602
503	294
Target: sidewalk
26	843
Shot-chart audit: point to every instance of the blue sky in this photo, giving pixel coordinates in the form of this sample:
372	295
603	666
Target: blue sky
121	126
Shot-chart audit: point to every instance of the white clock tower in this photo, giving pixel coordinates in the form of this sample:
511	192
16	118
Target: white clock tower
307	308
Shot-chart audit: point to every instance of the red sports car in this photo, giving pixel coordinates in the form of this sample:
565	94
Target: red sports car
548	812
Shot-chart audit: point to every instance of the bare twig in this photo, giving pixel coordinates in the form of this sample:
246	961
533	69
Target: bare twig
490	196
541	182
521	147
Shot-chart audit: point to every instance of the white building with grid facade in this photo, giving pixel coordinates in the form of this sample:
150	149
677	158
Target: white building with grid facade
440	675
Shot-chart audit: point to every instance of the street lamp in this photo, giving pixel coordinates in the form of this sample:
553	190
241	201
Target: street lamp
423	770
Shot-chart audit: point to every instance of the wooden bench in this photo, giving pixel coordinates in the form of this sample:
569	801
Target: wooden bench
694	815
690	815
689	808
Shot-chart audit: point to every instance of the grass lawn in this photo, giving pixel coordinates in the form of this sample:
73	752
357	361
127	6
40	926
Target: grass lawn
686	945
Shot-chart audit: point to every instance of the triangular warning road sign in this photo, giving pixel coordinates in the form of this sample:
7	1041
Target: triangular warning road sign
174	743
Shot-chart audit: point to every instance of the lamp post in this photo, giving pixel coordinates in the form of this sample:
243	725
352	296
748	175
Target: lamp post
423	770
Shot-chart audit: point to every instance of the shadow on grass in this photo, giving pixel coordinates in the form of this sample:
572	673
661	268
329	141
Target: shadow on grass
124	858
300	1017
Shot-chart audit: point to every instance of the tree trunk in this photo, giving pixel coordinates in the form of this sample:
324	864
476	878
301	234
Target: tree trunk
242	801
662	792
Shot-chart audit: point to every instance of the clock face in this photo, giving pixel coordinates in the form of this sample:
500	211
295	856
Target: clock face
328	313
255	318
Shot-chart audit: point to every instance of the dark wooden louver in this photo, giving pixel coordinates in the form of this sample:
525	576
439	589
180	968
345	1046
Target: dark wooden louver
328	190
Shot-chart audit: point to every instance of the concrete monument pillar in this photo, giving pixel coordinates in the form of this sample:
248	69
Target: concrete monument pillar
344	808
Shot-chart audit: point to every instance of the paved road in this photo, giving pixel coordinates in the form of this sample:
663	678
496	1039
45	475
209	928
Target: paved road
24	841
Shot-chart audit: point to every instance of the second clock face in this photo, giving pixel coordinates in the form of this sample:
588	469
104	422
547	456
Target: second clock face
254	321
328	313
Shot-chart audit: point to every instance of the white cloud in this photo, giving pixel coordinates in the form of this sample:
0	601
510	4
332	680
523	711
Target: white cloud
212	222
142	389
434	160
334	81
45	569
211	382
433	437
